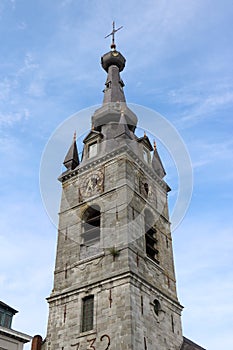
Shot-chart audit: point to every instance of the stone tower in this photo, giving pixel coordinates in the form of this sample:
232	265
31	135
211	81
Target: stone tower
114	280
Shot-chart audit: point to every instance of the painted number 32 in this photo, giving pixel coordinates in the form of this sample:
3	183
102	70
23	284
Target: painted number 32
105	338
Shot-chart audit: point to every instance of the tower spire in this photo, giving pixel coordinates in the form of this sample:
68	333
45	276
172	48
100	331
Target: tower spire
113	62
113	45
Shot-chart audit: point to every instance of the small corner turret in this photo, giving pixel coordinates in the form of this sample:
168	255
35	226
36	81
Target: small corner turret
157	163
71	160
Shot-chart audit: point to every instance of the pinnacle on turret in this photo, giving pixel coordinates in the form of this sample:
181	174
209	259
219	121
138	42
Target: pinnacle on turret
71	160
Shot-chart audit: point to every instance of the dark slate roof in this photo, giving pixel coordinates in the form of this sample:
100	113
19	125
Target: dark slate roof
157	164
92	135
144	139
7	308
189	345
114	86
113	58
122	128
71	160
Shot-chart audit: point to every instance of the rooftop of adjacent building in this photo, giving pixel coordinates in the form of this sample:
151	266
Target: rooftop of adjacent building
6	315
190	345
11	333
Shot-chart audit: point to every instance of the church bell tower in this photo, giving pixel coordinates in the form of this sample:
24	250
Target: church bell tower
114	281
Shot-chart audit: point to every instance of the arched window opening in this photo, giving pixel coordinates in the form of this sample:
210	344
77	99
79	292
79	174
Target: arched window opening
91	225
157	307
87	313
151	237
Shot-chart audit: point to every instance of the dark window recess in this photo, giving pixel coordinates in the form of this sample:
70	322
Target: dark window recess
142	306
87	313
151	238
108	84
151	244
7	322
146	188
5	319
145	345
91	225
172	322
157	307
1	318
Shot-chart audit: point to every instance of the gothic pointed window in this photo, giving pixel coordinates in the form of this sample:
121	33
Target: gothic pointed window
151	237
91	225
87	313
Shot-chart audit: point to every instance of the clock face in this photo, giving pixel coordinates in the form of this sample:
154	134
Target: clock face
92	184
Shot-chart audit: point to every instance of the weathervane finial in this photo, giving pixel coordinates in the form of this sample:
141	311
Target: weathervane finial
113	45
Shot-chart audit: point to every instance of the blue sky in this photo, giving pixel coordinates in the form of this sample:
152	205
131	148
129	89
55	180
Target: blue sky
179	63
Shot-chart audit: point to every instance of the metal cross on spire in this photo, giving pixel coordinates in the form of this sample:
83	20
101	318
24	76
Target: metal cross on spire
113	45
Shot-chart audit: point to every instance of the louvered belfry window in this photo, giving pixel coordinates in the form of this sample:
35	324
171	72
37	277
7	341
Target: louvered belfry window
91	225
151	237
87	313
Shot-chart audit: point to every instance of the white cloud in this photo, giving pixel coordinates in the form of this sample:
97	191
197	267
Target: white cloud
205	152
15	117
29	64
66	2
203	254
201	99
13	2
207	106
36	88
3	6
15	88
5	88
